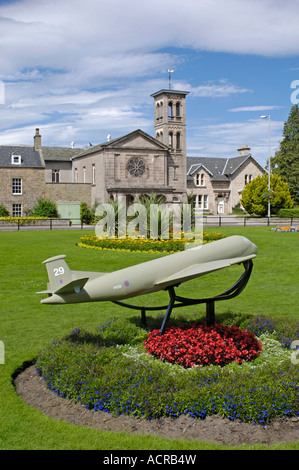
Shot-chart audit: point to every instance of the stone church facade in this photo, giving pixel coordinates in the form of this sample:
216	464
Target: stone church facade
138	164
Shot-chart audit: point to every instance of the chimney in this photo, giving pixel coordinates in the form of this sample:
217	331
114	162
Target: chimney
37	140
244	150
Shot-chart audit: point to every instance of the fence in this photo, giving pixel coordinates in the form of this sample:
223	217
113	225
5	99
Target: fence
208	221
231	221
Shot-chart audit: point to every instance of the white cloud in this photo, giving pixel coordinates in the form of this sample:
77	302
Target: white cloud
218	90
223	140
91	66
253	108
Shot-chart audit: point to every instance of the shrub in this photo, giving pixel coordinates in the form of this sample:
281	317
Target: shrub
3	211
45	208
85	214
289	213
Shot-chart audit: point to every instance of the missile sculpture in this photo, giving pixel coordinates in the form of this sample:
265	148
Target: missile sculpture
66	286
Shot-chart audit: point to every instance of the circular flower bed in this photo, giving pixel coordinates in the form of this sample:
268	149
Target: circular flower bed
108	369
203	345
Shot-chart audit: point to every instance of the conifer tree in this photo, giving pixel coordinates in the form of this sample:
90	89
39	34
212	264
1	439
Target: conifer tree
286	160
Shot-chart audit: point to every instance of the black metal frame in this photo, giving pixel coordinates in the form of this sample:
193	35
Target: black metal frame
230	293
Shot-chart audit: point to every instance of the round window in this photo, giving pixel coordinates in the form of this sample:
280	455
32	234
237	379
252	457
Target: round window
136	166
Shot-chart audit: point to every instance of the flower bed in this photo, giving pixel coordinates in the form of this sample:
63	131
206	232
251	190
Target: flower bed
108	369
203	345
286	229
143	244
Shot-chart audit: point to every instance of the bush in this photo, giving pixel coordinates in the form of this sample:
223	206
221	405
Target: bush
85	214
3	211
45	208
289	213
109	370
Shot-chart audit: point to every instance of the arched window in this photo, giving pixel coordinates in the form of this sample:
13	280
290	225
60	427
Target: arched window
178	141
170	115
170	140
178	109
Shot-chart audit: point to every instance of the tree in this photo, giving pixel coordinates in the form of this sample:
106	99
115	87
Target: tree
286	160
255	195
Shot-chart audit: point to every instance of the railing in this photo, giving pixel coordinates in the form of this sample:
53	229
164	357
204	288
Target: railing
208	221
36	224
231	221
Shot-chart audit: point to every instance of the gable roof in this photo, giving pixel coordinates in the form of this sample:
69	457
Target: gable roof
30	158
123	141
220	169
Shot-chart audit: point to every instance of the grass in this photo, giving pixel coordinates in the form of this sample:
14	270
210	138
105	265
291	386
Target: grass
27	326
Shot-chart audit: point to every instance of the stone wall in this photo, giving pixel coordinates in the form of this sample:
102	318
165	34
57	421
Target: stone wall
68	192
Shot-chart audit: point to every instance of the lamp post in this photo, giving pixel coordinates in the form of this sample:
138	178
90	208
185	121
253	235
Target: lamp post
269	167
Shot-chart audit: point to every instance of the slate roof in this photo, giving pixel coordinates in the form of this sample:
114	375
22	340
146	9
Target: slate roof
220	169
59	153
30	158
117	142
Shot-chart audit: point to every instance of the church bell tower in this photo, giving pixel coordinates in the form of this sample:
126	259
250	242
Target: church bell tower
170	129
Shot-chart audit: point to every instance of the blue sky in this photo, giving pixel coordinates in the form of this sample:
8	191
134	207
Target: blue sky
82	70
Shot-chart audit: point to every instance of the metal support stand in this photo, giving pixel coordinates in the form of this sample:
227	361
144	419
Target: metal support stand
230	293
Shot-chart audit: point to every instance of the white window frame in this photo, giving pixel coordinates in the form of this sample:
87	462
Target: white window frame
206	202
200	179
93	174
16	159
17	186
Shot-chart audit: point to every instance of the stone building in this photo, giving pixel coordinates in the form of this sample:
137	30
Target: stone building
28	173
22	179
216	184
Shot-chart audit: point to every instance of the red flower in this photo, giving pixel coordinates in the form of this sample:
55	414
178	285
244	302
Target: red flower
203	345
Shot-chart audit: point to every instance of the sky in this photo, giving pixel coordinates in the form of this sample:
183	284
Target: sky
80	70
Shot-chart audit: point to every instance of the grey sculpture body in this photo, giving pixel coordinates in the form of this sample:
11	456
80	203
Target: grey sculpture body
66	286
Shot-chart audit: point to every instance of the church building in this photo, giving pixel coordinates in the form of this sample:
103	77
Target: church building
138	164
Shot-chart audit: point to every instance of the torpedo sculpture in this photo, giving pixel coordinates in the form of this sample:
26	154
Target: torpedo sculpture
66	286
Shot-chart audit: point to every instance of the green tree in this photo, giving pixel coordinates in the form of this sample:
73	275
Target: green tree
45	208
255	195
286	160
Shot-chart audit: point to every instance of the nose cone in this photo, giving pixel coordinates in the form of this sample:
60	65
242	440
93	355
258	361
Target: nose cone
250	248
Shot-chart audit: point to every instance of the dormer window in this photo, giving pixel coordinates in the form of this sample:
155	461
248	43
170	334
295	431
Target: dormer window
16	159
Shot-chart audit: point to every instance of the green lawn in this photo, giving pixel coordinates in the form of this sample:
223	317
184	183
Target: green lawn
27	326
